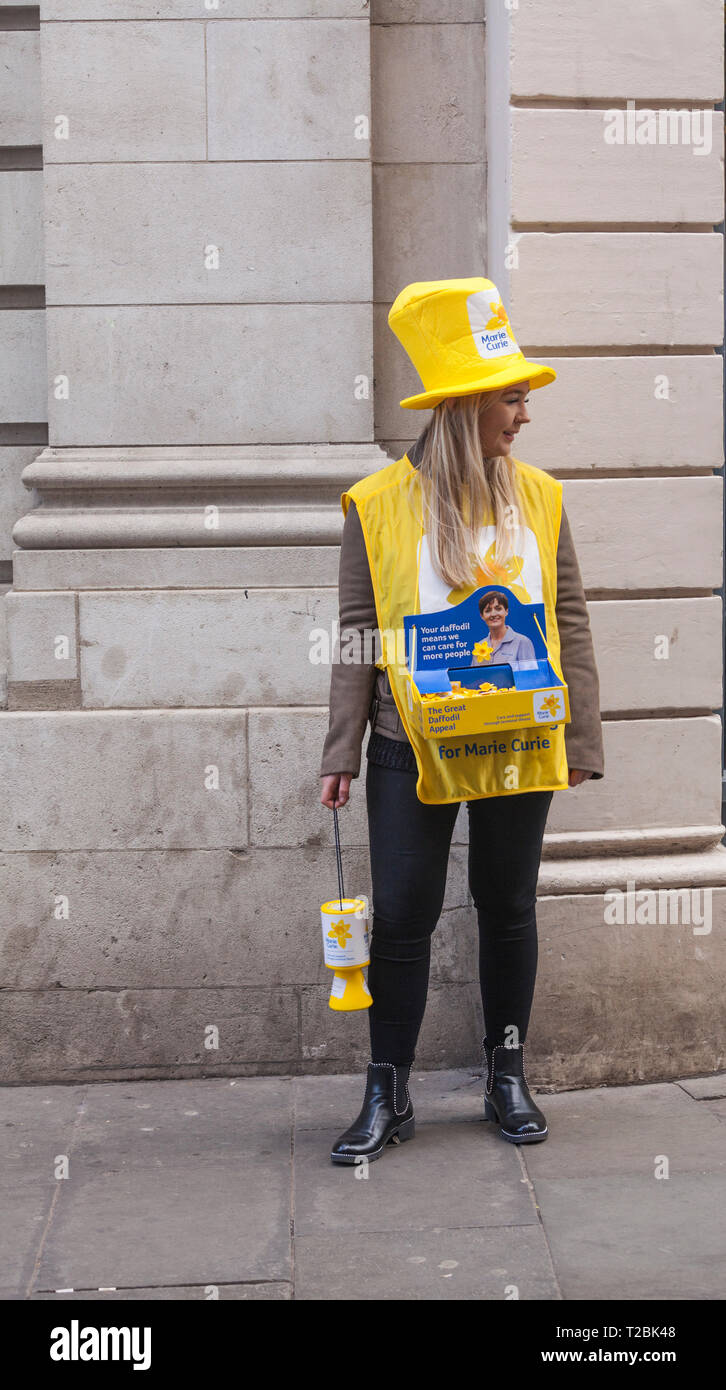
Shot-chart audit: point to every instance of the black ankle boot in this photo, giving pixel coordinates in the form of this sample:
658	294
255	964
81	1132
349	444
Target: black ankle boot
386	1115
507	1099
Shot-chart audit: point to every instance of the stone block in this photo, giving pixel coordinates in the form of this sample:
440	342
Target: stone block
150	75
20	97
599	1015
637	414
630	413
595	52
189	9
428	93
33	1122
450	1034
668	531
396	378
228	1219
442	1181
191	919
42	637
21	225
649	778
417	1264
98	251
562	162
415	236
205	647
4	589
711	1087
124	780
157	352
295	102
62	1035
624	289
606	1131
658	654
426	12
180	567
622	1220
23	376
285	749
455	942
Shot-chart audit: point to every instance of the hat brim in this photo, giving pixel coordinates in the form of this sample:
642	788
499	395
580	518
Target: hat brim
534	372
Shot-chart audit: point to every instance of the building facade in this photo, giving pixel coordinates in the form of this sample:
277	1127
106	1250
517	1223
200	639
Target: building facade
206	210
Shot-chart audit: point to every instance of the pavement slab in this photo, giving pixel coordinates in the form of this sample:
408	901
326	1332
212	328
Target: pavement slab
622	1129
185	1182
627	1237
500	1262
449	1175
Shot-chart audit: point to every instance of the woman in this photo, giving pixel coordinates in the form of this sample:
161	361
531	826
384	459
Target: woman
505	645
416	539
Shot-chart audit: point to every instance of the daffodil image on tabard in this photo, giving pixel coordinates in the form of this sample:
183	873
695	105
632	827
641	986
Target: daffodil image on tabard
481	651
340	930
488	571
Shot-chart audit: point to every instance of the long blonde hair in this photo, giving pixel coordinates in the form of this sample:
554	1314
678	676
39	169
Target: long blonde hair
458	483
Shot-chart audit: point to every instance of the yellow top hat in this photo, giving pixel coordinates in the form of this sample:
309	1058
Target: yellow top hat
460	341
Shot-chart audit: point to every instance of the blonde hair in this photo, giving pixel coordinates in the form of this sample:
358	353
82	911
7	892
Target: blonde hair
458	483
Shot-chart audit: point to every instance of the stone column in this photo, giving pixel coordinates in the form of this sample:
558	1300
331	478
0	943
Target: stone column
208	267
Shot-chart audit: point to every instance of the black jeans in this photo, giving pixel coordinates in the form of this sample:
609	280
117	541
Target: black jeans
410	844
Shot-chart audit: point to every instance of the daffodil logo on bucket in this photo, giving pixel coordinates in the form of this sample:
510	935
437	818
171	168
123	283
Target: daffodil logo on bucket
340	931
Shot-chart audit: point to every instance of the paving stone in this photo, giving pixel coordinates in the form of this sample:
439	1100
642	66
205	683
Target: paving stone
636	1238
182	1184
37	1124
621	1129
705	1087
449	1175
434	1264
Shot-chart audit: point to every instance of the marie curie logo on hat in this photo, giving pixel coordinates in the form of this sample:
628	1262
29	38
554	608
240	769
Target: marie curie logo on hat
490	324
458	336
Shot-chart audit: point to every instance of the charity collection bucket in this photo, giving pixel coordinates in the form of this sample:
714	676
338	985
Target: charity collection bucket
346	943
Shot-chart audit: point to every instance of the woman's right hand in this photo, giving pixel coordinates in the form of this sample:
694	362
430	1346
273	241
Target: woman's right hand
335	789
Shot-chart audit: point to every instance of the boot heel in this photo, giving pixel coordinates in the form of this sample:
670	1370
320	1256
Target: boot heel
489	1112
407	1131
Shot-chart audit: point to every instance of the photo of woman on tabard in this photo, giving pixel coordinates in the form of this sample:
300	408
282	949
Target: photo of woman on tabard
506	645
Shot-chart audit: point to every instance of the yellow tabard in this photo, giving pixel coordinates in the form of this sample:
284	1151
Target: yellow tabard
468	767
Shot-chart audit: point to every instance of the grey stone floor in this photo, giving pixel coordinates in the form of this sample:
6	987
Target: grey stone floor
224	1188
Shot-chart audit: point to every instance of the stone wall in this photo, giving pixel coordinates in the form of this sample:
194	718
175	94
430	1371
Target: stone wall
218	258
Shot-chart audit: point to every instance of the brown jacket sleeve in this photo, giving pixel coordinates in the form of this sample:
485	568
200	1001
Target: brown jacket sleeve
352	686
583	735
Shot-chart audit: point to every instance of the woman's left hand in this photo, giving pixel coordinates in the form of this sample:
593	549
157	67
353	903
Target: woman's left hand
576	776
